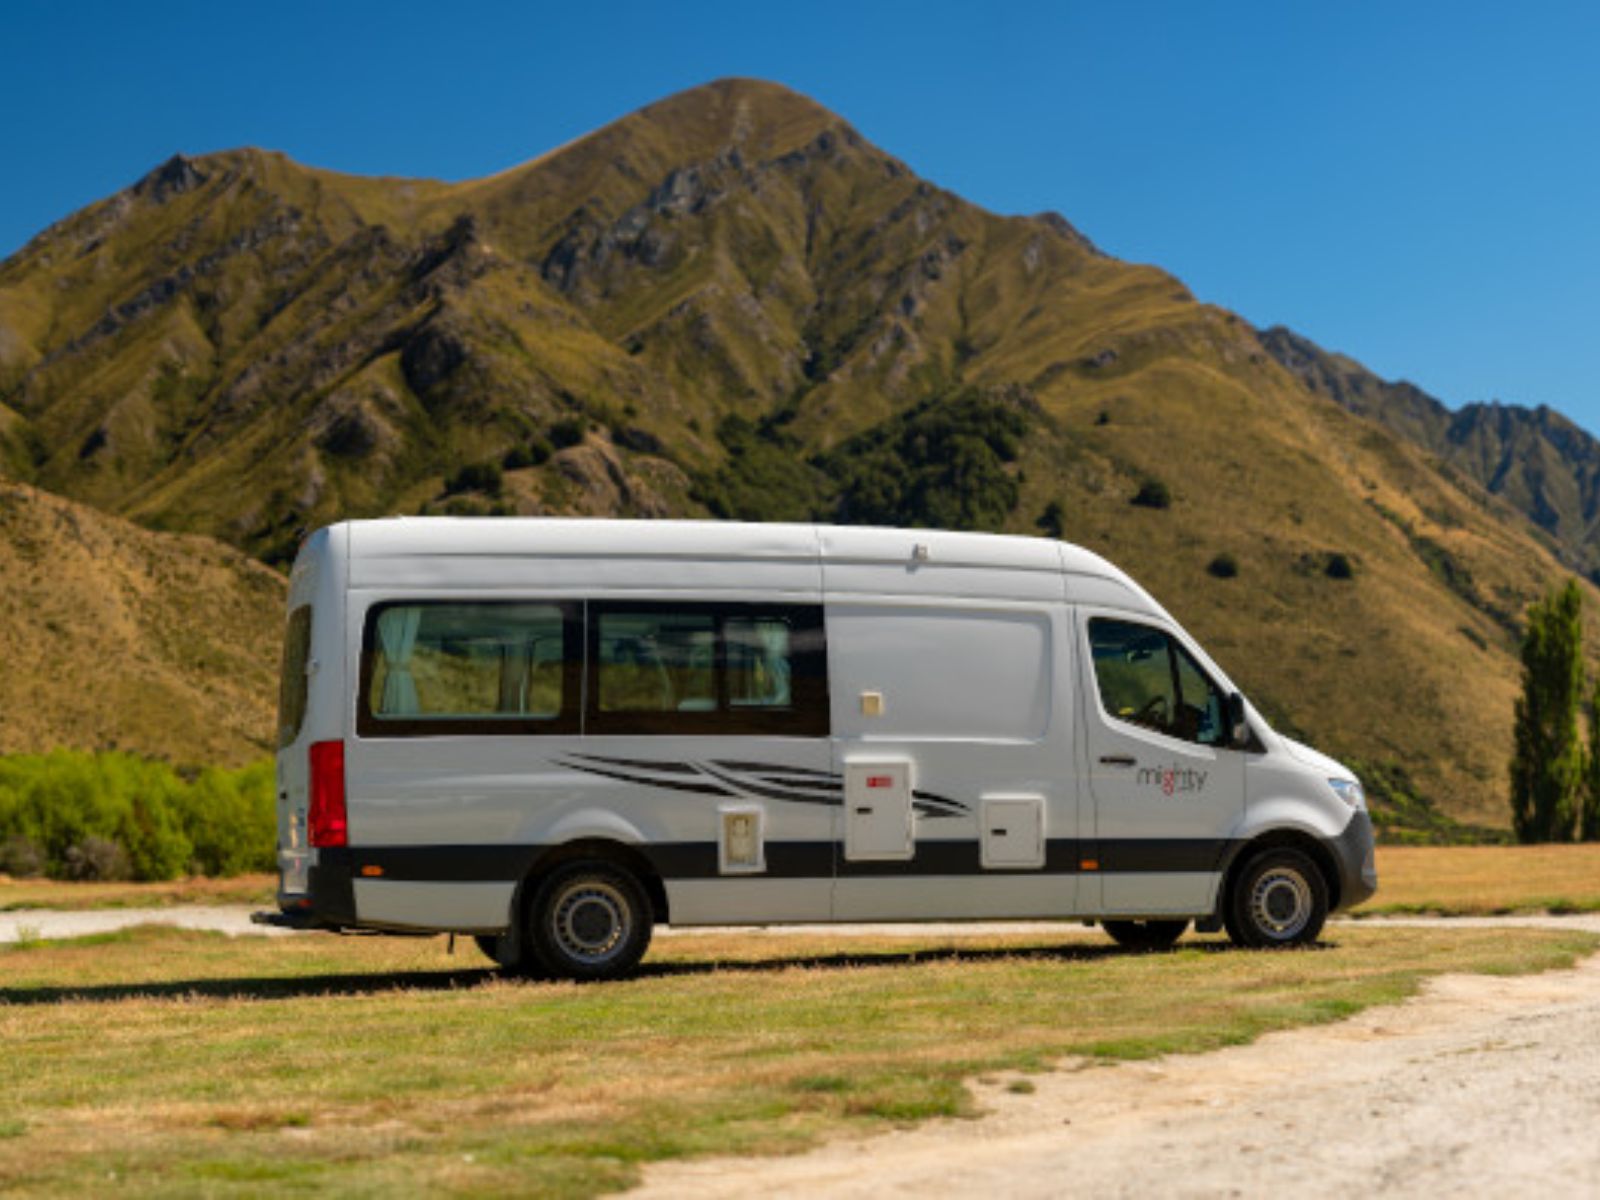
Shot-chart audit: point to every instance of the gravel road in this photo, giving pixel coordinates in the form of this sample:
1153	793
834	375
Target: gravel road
1476	1087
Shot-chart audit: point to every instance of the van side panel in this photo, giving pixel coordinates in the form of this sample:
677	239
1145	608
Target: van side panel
952	666
434	812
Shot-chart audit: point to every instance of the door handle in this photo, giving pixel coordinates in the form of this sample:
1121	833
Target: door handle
862	812
1116	760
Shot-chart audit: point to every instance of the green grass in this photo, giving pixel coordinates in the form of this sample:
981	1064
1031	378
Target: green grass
190	1063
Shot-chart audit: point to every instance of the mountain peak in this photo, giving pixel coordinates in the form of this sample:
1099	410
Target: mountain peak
756	118
177	175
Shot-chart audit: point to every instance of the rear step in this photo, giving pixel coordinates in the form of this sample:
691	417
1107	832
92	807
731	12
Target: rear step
297	919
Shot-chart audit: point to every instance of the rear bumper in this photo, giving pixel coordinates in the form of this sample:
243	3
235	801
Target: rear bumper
1353	852
329	901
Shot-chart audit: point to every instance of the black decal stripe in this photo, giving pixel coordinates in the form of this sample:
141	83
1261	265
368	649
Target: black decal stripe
770	793
956	807
773	768
700	786
810	785
640	764
935	814
789	860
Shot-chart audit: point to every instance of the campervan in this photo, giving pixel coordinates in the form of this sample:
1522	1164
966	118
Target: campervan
554	734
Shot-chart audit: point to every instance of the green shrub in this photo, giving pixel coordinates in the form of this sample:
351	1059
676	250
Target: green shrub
476	477
535	454
567	432
20	858
75	815
765	477
942	464
1053	520
1153	494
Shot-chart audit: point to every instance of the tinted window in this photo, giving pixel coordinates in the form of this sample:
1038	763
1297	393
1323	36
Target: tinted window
292	681
1200	711
469	667
760	662
1146	678
657	662
700	668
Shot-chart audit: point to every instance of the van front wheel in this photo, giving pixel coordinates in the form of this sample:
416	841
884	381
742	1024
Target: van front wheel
1279	899
1145	935
589	920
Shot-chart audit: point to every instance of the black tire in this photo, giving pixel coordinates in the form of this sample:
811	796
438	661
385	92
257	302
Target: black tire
588	920
488	943
1279	899
1145	935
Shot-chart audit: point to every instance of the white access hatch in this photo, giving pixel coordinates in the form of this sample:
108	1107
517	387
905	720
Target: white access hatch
1013	832
877	809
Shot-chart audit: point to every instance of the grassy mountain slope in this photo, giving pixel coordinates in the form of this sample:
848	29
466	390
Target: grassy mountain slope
731	302
1543	465
112	636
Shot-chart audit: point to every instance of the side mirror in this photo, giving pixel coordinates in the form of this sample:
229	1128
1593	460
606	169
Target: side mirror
1238	727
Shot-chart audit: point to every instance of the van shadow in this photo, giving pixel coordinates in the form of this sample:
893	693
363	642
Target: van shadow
303	986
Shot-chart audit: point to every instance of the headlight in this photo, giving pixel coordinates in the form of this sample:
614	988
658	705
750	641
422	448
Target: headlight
1349	790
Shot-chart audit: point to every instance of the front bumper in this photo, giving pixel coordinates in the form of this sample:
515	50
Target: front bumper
1353	851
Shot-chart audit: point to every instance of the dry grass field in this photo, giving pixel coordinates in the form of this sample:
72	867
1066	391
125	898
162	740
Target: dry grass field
17	894
1485	880
1444	880
159	1061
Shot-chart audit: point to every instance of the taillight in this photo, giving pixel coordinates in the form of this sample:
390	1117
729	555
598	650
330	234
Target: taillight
326	822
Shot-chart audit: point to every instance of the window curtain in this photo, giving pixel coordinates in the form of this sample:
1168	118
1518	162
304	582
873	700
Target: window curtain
397	633
774	637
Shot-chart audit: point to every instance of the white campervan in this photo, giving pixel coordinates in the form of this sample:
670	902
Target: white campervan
552	734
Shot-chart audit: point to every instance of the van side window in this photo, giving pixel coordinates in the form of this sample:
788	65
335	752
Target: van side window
706	668
292	682
1147	678
657	662
440	668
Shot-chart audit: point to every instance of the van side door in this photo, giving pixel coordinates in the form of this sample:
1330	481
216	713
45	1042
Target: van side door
1165	783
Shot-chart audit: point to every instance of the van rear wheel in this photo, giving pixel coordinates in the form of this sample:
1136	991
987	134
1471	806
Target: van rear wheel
1145	935
589	920
1279	899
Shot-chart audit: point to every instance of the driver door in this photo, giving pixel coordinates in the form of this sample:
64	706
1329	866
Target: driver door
1166	786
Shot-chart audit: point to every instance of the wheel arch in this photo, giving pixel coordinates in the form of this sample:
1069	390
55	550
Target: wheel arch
1286	838
597	849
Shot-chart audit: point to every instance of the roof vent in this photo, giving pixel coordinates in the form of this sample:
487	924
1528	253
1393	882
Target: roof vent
919	552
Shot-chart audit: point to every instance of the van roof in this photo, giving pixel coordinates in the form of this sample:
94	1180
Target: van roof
398	537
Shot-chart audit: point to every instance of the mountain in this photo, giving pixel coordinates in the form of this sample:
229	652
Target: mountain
1542	464
731	303
112	636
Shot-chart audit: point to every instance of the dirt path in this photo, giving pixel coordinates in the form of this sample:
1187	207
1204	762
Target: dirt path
58	923
1478	1086
235	919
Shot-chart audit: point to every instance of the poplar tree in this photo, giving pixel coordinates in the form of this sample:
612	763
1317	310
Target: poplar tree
1589	823
1547	762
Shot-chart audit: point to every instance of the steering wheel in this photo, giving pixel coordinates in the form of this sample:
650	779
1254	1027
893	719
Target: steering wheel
1154	712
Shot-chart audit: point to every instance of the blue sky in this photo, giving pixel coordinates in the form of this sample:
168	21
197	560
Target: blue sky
1414	184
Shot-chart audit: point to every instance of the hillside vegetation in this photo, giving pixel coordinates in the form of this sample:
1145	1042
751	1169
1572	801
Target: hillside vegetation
731	303
112	636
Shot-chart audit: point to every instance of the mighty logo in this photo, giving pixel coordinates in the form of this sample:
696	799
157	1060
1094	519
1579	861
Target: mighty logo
1173	781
